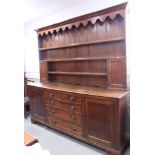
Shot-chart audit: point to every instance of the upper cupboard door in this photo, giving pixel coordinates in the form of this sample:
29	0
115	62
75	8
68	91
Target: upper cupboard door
43	71
99	120
117	73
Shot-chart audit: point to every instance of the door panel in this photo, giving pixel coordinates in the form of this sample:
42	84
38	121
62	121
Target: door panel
117	73
38	104
99	119
43	71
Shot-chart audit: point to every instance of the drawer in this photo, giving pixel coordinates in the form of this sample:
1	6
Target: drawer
73	108
66	115
66	126
69	97
72	129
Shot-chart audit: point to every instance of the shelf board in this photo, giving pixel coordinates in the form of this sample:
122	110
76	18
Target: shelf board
84	43
78	73
76	59
82	59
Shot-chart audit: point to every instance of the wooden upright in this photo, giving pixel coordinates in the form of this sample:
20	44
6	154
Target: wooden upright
83	88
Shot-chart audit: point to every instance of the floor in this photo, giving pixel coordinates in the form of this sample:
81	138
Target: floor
58	144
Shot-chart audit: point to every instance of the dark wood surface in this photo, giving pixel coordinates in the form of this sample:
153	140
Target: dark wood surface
83	90
97	119
100	110
111	12
83	44
87	90
70	49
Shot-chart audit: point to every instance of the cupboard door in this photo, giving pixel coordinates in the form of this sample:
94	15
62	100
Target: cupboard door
117	73
43	71
38	104
99	120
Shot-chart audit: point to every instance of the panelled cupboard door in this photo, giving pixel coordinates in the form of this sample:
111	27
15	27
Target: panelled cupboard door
43	71
99	120
117	73
37	104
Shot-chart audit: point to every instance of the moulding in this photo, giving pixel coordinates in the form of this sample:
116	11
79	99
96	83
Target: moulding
102	15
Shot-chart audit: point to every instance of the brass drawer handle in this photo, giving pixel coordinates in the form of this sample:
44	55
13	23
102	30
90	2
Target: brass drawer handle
72	108
54	121
73	128
52	102
53	111
73	117
51	95
71	98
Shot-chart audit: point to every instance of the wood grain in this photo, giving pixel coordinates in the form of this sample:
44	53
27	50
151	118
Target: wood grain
83	92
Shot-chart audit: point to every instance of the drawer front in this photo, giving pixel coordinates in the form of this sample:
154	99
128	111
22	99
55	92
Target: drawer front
66	126
66	115
72	107
72	129
69	97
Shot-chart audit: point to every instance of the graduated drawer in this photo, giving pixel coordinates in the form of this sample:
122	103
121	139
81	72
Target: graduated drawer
66	126
69	97
72	107
66	115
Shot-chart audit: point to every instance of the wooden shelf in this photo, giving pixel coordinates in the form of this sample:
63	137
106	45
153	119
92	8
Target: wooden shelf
82	59
84	43
76	59
78	73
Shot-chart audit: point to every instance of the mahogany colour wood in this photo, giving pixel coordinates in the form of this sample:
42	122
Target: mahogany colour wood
83	90
69	50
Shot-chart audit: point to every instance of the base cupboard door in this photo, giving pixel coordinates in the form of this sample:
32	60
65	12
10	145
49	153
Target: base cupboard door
38	104
99	120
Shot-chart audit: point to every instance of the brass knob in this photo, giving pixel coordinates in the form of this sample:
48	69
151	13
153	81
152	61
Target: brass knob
51	95
73	128
54	121
71	98
73	117
53	111
72	108
52	102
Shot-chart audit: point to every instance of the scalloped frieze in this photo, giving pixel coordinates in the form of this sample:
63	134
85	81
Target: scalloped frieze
84	22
